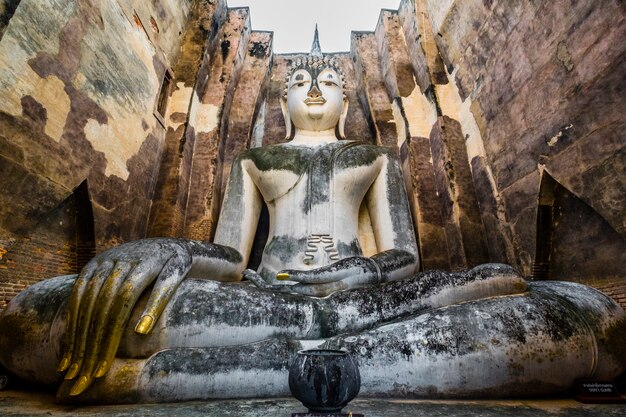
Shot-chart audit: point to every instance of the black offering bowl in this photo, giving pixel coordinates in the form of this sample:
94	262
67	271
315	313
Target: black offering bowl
324	380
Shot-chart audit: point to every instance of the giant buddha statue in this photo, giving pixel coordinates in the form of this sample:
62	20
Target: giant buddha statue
169	319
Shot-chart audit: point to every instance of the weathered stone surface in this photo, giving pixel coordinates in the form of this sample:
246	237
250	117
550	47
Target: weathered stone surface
457	198
274	124
420	40
552	102
373	94
167	213
425	204
575	226
521	212
247	99
16	402
79	83
497	230
394	59
211	103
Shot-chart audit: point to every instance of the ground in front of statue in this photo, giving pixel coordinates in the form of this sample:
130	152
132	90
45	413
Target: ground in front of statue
20	403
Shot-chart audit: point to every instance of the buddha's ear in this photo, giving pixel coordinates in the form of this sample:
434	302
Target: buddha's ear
342	118
283	106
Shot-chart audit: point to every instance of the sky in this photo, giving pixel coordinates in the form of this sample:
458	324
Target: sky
293	21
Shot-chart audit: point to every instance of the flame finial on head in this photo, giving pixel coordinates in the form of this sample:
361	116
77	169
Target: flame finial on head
315	59
316	49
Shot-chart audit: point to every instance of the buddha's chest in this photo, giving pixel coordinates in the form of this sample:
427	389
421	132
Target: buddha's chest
321	179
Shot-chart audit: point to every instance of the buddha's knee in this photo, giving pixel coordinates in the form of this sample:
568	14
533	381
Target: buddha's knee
32	328
528	344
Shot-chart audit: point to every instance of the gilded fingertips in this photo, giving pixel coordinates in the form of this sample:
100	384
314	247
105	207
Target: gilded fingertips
80	386
282	276
145	324
101	370
65	362
71	374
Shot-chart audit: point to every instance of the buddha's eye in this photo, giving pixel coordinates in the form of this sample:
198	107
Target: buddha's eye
329	83
300	84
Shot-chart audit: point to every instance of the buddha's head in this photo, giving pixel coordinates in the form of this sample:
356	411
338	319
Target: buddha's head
314	99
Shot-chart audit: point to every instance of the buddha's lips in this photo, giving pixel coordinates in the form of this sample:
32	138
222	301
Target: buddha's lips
319	100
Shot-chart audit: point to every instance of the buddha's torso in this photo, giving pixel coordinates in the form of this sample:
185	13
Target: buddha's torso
313	195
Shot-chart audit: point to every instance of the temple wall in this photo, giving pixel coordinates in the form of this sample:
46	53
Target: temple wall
508	119
545	86
79	81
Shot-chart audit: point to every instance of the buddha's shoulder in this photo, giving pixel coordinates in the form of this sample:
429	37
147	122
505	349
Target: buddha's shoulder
294	157
278	156
357	153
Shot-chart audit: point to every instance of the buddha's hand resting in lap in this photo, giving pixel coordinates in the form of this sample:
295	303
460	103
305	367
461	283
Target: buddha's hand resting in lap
108	288
353	272
105	293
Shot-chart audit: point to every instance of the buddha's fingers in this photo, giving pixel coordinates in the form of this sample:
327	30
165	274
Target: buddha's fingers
256	279
119	313
166	284
338	271
72	313
87	303
101	315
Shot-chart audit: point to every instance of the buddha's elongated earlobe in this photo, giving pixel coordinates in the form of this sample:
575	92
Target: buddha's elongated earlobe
342	118
283	106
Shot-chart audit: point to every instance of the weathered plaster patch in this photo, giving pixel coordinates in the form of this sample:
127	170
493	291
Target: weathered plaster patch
205	117
51	94
118	140
398	119
452	106
41	22
554	139
128	101
421	114
178	103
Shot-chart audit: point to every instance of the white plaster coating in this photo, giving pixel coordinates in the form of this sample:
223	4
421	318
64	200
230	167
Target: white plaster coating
206	117
400	122
123	134
380	213
118	140
451	105
17	79
367	240
178	103
237	383
421	113
212	334
298	217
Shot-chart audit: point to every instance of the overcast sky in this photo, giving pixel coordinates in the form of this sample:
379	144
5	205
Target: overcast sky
293	21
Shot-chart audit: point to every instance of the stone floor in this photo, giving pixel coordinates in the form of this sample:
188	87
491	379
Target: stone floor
21	403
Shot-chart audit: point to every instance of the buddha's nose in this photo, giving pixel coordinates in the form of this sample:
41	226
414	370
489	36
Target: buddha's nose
314	92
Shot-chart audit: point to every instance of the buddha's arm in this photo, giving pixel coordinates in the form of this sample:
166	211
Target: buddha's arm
395	239
109	286
392	224
238	220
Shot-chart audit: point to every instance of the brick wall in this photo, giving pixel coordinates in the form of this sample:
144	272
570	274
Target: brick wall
61	243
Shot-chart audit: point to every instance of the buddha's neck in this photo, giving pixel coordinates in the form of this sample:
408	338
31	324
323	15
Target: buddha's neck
313	138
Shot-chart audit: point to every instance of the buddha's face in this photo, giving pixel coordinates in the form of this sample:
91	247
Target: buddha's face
315	98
